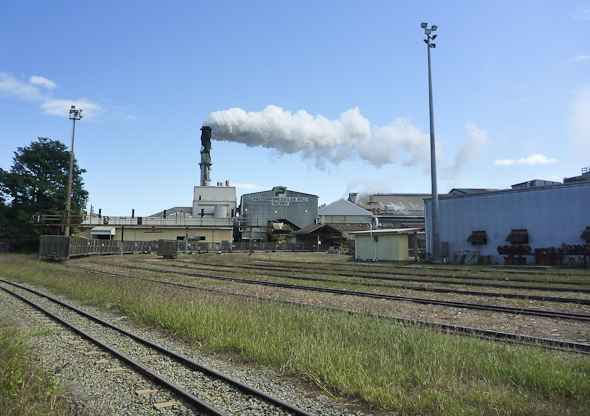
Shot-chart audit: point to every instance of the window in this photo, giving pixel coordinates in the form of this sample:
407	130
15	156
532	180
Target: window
478	237
518	237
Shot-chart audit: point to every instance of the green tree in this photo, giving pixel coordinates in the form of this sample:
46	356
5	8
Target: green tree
37	184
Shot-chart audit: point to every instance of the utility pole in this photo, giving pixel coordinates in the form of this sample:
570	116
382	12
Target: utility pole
74	115
435	226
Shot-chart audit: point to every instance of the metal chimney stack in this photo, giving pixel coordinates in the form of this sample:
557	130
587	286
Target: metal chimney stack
205	155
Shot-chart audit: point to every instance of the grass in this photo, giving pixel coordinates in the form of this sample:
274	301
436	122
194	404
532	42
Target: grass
24	388
389	367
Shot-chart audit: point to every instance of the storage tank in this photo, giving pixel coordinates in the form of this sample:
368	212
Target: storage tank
221	211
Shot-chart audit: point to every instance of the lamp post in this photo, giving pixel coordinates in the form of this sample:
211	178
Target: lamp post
435	228
74	115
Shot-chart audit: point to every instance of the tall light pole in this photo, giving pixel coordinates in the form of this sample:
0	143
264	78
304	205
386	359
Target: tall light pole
435	228
74	115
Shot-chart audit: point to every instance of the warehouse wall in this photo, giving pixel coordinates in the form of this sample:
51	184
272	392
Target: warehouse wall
552	216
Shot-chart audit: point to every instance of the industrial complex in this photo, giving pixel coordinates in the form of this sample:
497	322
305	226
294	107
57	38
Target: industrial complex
536	221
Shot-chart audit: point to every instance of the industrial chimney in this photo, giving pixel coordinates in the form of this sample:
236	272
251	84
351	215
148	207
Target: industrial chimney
205	155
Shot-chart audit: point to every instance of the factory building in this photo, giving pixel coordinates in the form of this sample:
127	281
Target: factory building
531	221
260	212
345	217
393	210
209	219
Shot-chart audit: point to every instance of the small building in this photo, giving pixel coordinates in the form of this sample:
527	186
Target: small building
319	237
382	245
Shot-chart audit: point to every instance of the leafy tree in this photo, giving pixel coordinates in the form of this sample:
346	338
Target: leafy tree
37	184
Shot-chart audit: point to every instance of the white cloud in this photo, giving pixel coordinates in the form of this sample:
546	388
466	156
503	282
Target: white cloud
583	13
60	107
42	81
10	86
580	58
534	159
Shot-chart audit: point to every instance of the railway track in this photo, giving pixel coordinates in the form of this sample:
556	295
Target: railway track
235	397
384	274
484	334
374	295
447	281
556	299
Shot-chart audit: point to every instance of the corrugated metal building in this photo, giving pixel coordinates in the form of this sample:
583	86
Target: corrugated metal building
277	205
541	217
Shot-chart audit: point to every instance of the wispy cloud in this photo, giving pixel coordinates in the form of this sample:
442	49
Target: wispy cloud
42	81
579	58
534	159
39	88
582	13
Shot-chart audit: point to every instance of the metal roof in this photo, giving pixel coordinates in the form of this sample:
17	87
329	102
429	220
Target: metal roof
350	227
343	207
389	231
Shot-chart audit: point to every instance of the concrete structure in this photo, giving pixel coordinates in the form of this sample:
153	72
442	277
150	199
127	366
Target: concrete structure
214	202
277	205
382	245
541	217
392	210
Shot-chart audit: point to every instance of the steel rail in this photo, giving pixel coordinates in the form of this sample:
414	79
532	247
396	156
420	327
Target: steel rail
493	269
424	289
467	305
485	334
398	273
181	359
140	368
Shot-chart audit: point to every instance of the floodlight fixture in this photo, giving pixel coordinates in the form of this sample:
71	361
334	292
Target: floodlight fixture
424	25
434	37
433	28
427	31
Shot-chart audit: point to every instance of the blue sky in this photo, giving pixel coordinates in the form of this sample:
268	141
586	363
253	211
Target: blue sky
346	83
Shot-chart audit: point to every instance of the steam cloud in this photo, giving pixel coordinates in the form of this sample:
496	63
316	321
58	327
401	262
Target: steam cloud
326	141
332	141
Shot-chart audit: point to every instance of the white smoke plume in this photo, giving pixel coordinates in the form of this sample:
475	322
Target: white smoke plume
327	141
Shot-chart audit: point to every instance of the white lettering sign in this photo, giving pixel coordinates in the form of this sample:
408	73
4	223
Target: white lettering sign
279	199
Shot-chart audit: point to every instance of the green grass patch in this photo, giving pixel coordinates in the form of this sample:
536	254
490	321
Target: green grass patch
388	366
24	388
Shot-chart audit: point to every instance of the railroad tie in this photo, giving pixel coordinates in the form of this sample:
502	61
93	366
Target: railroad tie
164	404
113	370
145	391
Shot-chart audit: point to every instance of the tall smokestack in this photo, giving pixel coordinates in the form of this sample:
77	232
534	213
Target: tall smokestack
205	155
